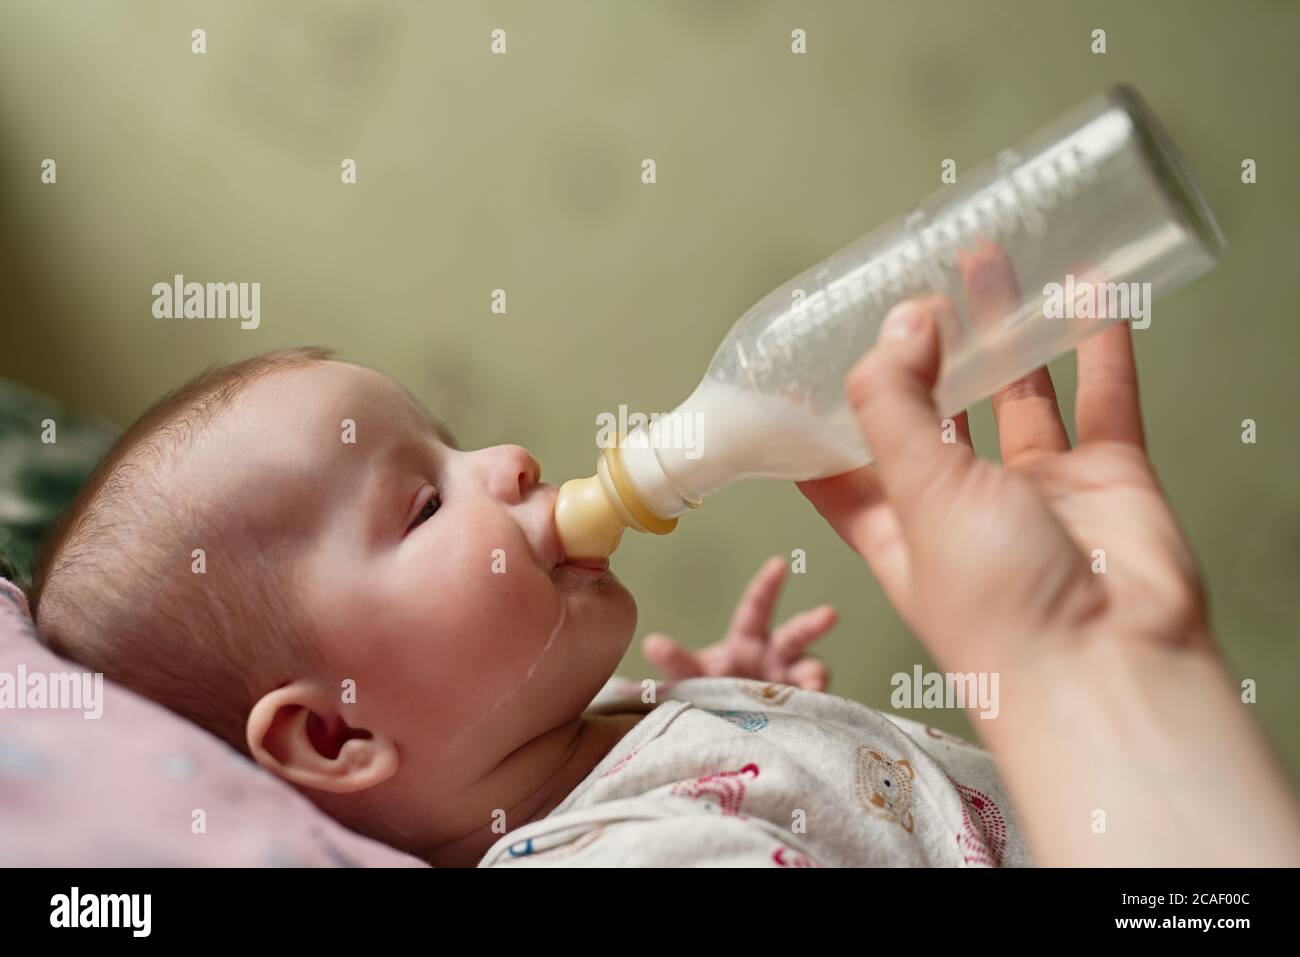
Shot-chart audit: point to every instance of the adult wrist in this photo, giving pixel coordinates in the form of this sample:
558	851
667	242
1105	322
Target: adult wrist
1116	749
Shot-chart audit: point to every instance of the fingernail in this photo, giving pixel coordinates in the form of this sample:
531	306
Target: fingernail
903	321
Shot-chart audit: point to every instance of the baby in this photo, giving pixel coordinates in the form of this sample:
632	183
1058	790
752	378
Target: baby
292	553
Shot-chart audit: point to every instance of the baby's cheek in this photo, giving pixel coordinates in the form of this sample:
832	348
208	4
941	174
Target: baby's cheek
491	592
481	571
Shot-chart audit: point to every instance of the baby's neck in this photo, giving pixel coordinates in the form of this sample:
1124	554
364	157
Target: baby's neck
533	781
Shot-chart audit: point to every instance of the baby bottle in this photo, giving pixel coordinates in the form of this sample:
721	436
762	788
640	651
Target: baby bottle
1094	213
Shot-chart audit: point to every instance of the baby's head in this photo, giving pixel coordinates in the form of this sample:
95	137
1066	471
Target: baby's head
291	552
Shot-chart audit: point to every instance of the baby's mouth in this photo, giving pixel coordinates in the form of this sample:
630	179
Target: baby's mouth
589	568
585	569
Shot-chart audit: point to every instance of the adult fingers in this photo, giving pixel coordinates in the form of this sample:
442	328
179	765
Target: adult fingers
889	390
854	505
1107	407
1026	410
961	423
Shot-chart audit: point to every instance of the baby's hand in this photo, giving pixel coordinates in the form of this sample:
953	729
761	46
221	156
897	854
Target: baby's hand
748	650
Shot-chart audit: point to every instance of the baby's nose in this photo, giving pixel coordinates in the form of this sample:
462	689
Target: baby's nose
513	473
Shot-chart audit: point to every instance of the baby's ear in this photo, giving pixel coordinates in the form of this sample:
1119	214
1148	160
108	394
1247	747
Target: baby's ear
298	734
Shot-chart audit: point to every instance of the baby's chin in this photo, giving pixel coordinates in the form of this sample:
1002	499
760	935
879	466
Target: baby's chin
596	579
600	603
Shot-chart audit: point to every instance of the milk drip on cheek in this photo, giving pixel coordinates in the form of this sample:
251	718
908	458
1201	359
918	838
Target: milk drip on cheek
528	676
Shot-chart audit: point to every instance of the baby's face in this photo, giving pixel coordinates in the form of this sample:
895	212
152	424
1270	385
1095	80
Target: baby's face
433	576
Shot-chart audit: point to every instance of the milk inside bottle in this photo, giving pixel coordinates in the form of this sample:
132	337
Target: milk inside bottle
1097	203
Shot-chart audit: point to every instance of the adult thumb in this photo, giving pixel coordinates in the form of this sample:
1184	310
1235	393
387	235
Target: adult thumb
889	390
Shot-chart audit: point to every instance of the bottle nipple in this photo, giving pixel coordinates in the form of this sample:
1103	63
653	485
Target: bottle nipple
588	524
591	513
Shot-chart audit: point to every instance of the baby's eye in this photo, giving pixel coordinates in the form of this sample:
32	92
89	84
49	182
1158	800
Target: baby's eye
429	509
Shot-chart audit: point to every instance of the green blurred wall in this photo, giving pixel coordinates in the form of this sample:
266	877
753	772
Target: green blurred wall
522	171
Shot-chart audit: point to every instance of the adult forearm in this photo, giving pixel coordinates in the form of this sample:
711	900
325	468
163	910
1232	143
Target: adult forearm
1128	752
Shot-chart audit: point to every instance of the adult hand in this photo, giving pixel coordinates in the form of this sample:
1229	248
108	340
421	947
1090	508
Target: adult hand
1120	734
977	558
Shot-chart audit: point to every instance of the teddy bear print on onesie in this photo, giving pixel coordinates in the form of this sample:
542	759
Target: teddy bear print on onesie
884	786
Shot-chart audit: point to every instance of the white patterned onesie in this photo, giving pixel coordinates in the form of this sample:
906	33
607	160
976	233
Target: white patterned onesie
731	772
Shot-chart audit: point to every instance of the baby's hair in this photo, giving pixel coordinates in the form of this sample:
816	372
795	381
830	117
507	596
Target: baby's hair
114	588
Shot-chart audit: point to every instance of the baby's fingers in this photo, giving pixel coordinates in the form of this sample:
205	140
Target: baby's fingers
754	611
793	637
809	673
674	661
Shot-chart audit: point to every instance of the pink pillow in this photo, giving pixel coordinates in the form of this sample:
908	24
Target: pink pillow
126	788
